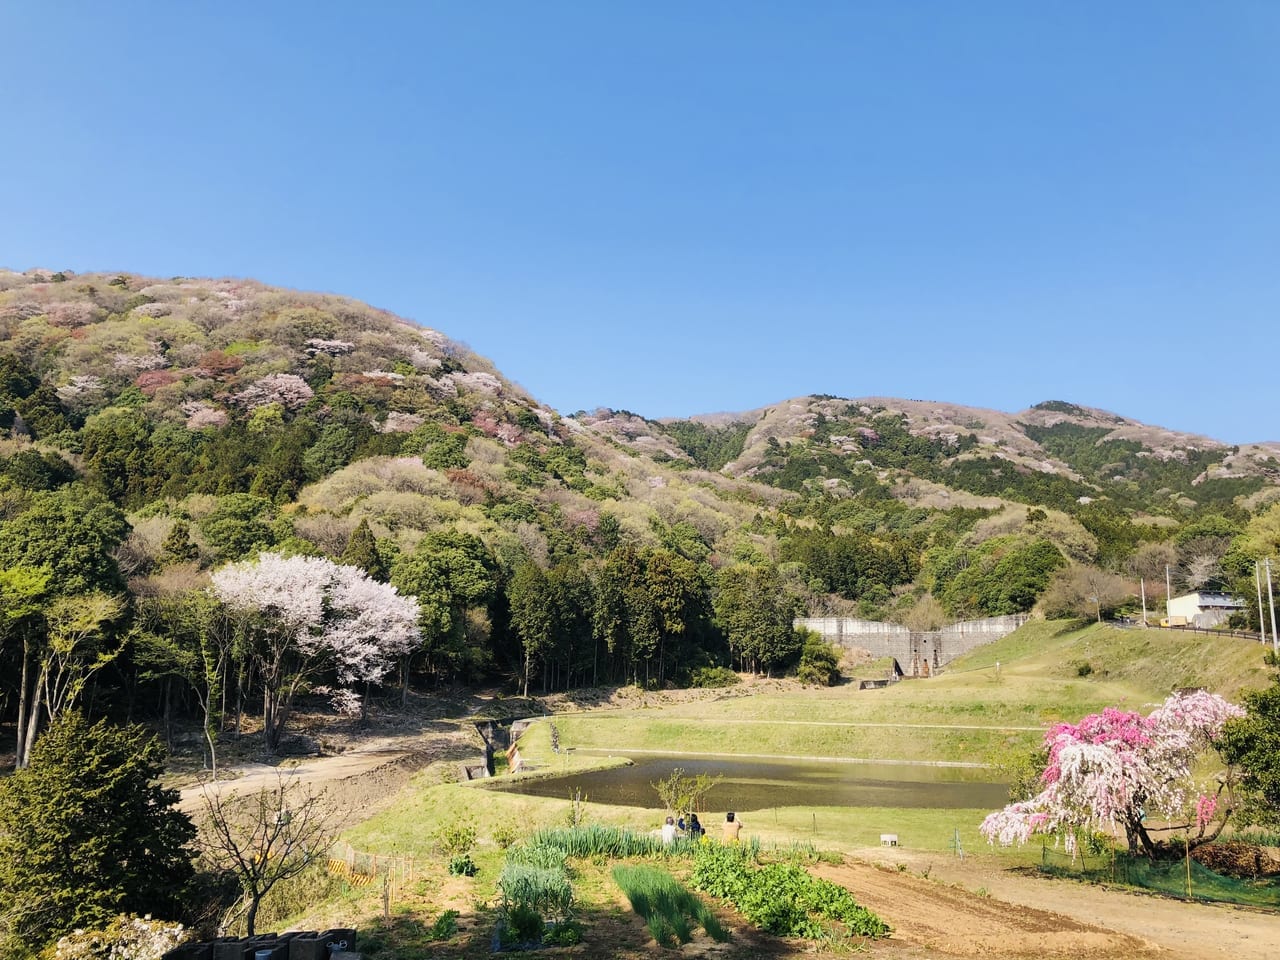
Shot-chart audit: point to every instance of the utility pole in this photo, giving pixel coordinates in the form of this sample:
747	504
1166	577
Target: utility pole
1271	601
1142	584
1168	591
1257	582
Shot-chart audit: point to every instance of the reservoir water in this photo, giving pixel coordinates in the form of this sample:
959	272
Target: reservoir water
751	784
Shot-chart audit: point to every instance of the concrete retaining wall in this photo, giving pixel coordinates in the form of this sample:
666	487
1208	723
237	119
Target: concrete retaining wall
920	653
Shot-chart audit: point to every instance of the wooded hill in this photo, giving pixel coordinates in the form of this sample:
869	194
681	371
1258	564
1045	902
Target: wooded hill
156	430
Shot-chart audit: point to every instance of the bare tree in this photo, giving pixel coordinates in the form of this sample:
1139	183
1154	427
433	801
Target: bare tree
1202	570
1084	591
265	837
926	614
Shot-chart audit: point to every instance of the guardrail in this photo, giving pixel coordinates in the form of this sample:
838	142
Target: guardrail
1211	631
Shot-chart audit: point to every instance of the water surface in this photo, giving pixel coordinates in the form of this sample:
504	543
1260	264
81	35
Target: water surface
751	784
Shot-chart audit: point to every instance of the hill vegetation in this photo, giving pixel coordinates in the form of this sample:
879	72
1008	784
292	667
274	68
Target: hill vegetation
159	430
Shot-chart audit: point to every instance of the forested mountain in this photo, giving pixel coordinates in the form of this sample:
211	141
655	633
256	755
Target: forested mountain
157	431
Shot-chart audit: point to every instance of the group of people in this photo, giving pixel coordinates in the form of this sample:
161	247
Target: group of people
693	829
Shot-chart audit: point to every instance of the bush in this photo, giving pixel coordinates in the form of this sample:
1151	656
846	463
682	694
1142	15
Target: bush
461	865
455	837
566	933
709	677
819	663
504	835
445	927
521	925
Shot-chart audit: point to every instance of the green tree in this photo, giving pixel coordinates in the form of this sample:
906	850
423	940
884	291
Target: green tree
177	546
188	636
332	450
23	594
87	833
238	526
115	445
73	532
532	615
72	650
756	615
362	552
449	573
819	661
1253	743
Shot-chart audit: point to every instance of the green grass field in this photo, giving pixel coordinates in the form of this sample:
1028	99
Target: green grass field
973	712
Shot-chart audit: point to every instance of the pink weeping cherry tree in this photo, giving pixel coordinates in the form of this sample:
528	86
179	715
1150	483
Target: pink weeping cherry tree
1119	769
306	615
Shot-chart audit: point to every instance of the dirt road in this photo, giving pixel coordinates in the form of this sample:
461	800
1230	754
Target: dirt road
1020	915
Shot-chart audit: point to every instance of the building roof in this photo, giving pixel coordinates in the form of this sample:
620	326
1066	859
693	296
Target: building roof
1206	598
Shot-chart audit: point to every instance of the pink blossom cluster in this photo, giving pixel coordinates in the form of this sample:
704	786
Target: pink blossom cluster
1113	766
1206	807
286	389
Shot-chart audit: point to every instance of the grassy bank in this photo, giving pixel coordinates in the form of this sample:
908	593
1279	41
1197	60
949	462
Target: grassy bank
973	712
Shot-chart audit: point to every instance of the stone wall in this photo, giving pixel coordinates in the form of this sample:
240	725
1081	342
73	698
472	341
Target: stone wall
919	653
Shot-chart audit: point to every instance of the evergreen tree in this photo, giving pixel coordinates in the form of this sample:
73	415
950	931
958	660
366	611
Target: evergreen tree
362	552
177	546
86	833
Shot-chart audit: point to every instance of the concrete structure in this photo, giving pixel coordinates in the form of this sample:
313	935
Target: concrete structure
920	653
1205	609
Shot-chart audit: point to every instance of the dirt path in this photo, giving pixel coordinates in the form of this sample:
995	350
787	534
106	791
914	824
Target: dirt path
945	920
1025	915
360	781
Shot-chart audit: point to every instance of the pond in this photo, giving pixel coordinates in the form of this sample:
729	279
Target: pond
751	784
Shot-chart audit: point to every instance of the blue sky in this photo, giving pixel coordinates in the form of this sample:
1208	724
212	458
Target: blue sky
679	208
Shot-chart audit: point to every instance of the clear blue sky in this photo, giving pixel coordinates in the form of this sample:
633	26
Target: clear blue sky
679	208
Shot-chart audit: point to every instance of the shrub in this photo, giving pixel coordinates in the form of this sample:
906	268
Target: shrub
455	837
566	933
504	835
445	927
709	677
819	663
521	925
461	865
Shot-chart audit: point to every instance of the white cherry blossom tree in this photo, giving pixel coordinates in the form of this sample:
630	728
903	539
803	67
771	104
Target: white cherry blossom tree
305	615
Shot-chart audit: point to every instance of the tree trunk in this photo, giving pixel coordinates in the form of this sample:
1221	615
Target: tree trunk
33	723
252	916
23	705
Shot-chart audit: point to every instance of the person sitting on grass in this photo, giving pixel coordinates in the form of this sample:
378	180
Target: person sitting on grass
732	827
695	828
669	831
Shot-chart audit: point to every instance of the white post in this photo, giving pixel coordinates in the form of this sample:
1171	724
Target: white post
1271	601
1262	618
1142	583
1168	591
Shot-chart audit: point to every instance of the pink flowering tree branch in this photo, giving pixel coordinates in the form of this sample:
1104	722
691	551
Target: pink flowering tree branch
1119	769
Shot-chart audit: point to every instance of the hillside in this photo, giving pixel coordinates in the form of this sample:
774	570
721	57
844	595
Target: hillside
1053	454
159	429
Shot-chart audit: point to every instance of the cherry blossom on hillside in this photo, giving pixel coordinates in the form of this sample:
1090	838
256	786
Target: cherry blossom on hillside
1121	769
306	615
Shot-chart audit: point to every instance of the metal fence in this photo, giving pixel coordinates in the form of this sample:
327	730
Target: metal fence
1209	631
